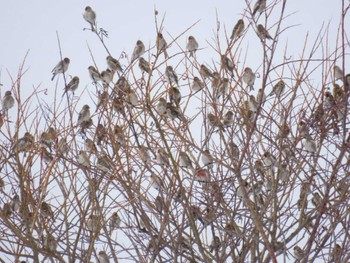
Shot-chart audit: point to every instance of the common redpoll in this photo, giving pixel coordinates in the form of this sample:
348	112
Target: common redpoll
237	29
24	143
61	67
144	154
192	45
222	88
113	64
227	65
259	7
227	119
90	146
15	203
174	95
205	72
336	254
144	66
162	157
131	97
90	17
298	253
268	159
162	106
316	200
278	89
197	213
338	73
104	163
233	150
207	158
171	76
253	105
83	159
197	84
72	85
114	221
50	243
157	183
161	45
202	175
215	244
309	144
240	188
248	77
93	223
139	50
84	114
46	211
184	160
260	97
94	74
328	102
263	33
7	101
106	76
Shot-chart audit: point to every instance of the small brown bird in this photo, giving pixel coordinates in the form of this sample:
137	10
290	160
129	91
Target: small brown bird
114	221
215	244
1	120
205	72
84	114
184	160
50	243
24	143
107	76
93	223
197	84
174	95
278	89
171	76
161	45
72	85
259	7
90	146
202	175
309	144
90	17
83	159
192	45
298	253
131	97
144	66
268	159
338	73
233	150
328	102
113	64
139	50
263	33
260	97
60	68
227	119
227	65
144	154
222	88
162	106
237	29
7	101
94	74
248	78
104	163
157	183
162	157
46	210
207	158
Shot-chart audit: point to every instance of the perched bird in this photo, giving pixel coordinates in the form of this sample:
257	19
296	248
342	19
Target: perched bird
45	155
205	72
278	89
328	102
61	67
184	160
83	159
113	64
303	129
139	50
283	173
233	150
336	254
62	145
259	7
7	101
84	114
90	146
263	33
248	78
90	17
240	188
24	143
268	159
171	76
144	154
237	29
72	85
252	103
107	76
227	119
119	134
202	175
227	65
215	244
173	112
162	157
310	144
159	204
104	163
46	210
338	73
316	199
215	81
298	253
144	66
50	243
157	183
222	88
197	84
207	158
131	97
15	203
338	93
114	221
192	45
197	213
101	134
259	168
162	106
93	223
174	95
260	97
94	74
161	45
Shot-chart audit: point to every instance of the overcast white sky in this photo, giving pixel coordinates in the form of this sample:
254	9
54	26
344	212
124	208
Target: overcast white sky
32	25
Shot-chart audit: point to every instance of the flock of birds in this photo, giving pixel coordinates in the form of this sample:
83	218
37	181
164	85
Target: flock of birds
124	93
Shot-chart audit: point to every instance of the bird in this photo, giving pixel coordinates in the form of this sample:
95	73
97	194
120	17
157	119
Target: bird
83	159
309	144
84	114
50	243
15	203
207	158
338	73
303	129
278	89
259	6
46	210
316	199
62	145
113	64
252	103
72	85
197	213
161	45
227	64
227	119
338	93
24	143
215	244
90	17
93	223
239	190
205	72
114	221
184	160
298	253
162	106
106	76
233	150
104	163
328	102
102	257
263	33
268	159
336	254
61	67
144	66
248	78
222	88
237	29
90	146
144	154
162	157
139	50
174	95
197	84
157	183
192	45
7	101
261	97
171	76
94	74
